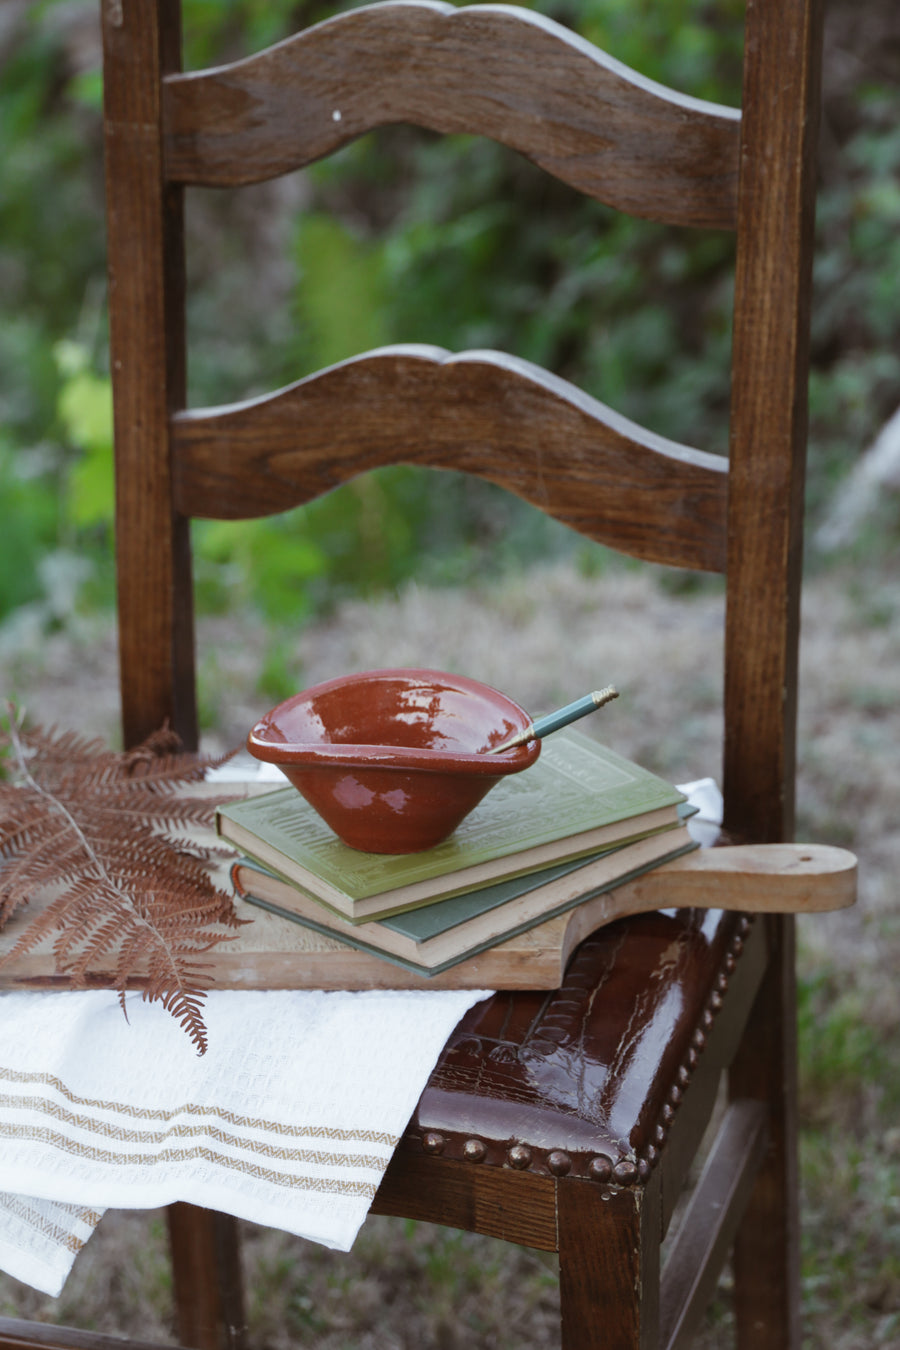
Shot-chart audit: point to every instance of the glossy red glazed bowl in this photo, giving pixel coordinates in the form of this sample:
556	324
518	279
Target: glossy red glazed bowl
393	760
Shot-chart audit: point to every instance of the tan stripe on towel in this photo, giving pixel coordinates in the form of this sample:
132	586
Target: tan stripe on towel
330	1185
40	1224
106	1130
191	1108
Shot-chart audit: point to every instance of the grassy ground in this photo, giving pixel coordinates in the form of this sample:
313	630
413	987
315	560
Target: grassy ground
547	637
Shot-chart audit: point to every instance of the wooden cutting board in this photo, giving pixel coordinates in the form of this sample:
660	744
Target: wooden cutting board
272	953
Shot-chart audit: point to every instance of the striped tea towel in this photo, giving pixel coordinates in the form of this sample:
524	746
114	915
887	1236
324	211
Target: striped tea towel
288	1120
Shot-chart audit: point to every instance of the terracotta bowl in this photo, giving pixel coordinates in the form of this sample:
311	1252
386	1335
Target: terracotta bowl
393	760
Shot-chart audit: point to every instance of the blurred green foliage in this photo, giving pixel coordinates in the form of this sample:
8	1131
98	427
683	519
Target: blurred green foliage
841	1050
404	236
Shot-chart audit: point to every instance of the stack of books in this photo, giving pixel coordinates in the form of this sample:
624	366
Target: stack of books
579	822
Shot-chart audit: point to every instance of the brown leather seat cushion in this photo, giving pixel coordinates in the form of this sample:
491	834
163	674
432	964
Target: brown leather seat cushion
583	1079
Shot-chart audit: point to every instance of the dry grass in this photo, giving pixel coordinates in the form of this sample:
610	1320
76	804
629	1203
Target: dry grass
546	637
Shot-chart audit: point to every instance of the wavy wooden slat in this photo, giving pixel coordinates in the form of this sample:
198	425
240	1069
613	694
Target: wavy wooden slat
482	413
494	70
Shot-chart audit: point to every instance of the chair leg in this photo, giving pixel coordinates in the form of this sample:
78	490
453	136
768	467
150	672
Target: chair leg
609	1243
206	1275
766	1251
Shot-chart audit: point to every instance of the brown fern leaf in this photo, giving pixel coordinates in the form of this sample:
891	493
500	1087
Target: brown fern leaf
91	827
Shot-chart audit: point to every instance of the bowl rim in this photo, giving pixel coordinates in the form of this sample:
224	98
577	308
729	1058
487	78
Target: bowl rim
316	754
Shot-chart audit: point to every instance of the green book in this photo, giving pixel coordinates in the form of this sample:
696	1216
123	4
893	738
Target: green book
435	937
578	799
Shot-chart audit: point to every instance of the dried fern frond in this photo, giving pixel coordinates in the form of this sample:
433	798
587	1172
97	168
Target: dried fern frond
88	825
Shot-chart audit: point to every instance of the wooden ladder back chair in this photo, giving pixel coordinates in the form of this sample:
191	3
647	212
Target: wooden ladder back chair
566	1121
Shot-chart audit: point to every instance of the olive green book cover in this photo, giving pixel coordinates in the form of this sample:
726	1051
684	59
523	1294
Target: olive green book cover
578	798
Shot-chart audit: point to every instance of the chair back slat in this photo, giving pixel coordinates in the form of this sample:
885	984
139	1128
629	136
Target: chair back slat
527	82
481	413
496	71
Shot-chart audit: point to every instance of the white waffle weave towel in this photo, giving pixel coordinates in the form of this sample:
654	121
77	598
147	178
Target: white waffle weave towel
288	1120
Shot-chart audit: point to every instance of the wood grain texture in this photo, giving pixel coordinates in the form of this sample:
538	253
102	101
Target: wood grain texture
482	413
492	70
781	98
766	1258
273	953
464	1195
752	878
206	1278
769	414
609	1257
16	1334
707	1230
146	283
749	879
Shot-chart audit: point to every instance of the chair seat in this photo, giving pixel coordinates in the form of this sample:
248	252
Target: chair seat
585	1080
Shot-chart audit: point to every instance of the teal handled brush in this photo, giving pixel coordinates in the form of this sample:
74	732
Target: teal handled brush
561	718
